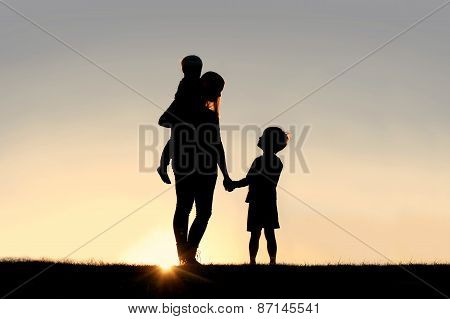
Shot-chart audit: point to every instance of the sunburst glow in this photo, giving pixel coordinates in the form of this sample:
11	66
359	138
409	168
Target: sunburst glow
166	267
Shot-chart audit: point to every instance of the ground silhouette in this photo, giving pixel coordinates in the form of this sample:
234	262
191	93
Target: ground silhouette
65	280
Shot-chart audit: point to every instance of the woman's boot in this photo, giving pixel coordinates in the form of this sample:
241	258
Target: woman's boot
181	249
191	252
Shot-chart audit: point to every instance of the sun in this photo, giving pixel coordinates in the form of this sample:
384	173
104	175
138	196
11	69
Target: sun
162	250
166	266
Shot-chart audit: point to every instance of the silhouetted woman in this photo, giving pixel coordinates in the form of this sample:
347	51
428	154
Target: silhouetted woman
197	152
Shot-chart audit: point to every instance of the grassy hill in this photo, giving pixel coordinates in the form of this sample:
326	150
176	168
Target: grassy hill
66	280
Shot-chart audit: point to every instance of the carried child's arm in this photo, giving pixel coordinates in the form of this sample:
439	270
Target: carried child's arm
168	118
166	156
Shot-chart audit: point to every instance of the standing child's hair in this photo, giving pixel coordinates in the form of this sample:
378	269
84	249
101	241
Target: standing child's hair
273	140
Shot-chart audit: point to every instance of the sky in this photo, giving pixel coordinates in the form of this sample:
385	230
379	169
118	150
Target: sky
378	150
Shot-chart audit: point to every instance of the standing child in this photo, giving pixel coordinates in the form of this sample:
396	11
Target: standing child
262	179
186	97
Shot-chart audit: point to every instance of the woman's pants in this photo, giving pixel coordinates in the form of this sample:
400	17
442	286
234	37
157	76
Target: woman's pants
189	188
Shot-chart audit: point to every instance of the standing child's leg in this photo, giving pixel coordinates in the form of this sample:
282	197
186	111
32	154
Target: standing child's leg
271	244
254	245
165	161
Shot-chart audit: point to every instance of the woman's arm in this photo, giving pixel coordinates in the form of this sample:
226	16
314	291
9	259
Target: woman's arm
222	162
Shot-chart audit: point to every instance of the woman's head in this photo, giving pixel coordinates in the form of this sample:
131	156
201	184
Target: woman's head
273	140
212	85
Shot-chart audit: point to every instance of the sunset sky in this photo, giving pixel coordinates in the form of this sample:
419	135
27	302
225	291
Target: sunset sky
378	150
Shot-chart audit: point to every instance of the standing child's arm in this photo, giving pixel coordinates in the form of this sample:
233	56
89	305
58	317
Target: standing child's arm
246	180
240	183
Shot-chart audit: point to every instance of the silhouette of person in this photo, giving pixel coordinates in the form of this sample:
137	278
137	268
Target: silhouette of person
186	97
197	150
262	179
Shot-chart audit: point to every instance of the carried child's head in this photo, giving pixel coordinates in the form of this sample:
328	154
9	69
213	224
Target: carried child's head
192	66
273	140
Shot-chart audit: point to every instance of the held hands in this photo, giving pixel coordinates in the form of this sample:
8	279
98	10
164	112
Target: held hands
228	184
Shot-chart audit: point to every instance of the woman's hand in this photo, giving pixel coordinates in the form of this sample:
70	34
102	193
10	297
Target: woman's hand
228	184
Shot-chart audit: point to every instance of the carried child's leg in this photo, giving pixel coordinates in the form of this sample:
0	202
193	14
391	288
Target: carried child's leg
254	245
271	244
165	161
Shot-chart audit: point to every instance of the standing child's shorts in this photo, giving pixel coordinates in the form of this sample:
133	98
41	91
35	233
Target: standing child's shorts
262	216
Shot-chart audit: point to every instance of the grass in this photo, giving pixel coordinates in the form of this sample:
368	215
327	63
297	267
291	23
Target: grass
104	280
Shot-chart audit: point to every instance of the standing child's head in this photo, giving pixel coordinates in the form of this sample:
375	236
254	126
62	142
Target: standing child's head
273	140
192	66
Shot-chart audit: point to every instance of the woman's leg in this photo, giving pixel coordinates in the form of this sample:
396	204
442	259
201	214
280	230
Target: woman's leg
253	245
185	200
271	244
204	192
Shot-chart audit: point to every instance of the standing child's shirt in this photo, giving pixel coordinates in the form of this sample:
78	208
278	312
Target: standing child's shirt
262	179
